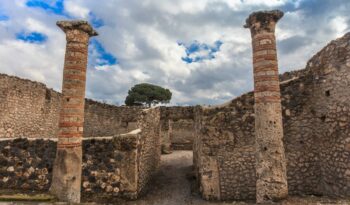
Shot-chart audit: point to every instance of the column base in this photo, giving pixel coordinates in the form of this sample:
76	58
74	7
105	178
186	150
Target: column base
66	177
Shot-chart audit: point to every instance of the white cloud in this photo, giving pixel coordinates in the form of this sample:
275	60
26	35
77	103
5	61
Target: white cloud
338	24
144	36
74	8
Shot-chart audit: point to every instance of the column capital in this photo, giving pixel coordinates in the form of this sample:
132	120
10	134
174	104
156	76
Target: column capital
77	25
263	21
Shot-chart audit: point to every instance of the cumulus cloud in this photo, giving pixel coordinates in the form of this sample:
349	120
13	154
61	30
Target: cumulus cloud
197	48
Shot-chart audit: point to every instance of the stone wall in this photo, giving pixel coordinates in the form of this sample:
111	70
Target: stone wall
177	127
150	150
109	165
120	166
182	134
106	120
27	109
316	121
30	109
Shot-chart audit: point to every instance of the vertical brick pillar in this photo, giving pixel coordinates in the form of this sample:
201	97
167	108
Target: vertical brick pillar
271	184
66	179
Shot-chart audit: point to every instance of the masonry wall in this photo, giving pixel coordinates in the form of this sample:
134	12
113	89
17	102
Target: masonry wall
107	120
177	127
27	109
150	151
182	134
120	166
30	109
316	117
109	165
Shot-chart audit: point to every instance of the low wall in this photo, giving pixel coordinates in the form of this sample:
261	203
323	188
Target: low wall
120	166
109	165
316	121
30	109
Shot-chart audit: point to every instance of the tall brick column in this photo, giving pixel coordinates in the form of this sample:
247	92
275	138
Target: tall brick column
66	179
271	173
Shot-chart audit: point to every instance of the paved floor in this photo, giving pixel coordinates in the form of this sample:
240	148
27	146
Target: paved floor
172	187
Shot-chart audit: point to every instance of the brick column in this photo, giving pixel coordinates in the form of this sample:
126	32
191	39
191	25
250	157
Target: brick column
66	179
271	173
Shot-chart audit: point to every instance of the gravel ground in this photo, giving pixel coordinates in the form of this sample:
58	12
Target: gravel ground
173	187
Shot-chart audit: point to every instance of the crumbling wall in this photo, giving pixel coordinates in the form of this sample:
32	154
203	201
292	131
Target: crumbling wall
182	134
224	150
109	165
316	122
150	151
119	166
107	120
177	127
27	109
30	109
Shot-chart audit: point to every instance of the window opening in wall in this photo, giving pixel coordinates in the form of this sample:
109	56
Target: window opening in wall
48	95
327	93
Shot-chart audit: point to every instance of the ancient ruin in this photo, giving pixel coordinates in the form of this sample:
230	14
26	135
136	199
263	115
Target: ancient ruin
288	137
66	177
271	174
315	126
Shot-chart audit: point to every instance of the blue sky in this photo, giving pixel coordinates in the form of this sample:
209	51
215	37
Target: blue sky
3	17
197	52
198	49
32	37
55	7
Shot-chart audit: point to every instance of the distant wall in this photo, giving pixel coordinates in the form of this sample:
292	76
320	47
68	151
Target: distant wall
182	134
316	117
30	109
177	127
107	120
120	166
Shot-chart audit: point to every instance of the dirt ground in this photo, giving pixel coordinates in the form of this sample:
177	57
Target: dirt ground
173	187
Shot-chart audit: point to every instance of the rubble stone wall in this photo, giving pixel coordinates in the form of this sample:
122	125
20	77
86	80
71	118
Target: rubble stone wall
316	123
119	166
177	127
109	165
150	149
182	134
30	109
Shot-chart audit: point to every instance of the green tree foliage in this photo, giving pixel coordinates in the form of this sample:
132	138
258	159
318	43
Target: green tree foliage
148	94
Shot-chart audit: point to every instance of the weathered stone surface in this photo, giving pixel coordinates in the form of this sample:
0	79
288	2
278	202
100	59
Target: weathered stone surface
120	166
66	177
30	109
316	126
271	173
182	134
177	128
150	152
